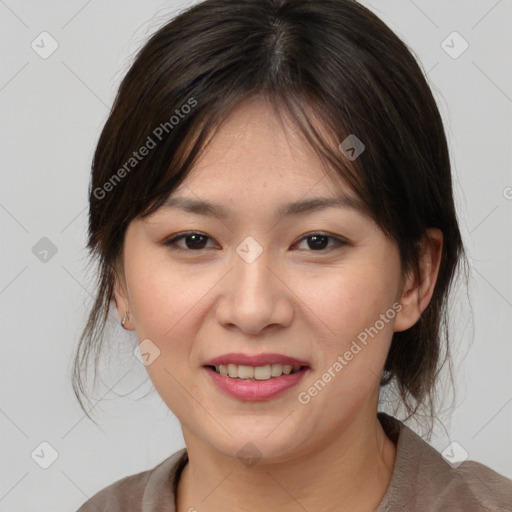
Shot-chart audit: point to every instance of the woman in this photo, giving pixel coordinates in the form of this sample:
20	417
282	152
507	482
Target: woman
271	205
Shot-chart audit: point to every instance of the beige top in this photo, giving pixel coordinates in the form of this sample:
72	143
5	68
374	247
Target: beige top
422	481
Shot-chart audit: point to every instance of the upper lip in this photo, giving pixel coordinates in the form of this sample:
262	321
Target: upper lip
255	360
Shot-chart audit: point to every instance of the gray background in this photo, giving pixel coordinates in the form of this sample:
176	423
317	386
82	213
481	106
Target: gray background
52	111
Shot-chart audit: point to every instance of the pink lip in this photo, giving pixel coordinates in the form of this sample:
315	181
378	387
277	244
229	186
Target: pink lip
256	360
254	390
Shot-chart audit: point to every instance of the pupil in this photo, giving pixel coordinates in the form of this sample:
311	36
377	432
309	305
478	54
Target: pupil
315	239
194	238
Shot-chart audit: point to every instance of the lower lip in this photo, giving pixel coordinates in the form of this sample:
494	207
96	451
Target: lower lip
254	390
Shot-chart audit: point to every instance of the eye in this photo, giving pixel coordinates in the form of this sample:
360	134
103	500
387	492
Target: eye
318	242
196	241
193	241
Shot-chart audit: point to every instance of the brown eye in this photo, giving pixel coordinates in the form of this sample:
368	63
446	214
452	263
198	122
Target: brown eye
194	241
318	242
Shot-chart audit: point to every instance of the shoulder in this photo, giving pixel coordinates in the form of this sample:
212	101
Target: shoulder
124	494
423	479
141	491
470	487
479	487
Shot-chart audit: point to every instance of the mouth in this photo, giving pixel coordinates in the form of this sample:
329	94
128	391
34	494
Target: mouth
256	373
260	383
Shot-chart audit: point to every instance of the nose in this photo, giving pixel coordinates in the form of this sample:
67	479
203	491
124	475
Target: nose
255	295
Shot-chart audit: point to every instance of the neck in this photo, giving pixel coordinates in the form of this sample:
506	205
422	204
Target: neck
349	472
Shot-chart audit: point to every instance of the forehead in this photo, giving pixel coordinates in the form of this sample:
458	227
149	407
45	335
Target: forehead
256	162
255	148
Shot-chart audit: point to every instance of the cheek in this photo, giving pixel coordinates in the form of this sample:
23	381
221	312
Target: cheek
349	299
348	305
163	302
160	296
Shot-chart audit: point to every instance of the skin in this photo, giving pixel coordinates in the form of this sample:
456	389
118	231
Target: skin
329	454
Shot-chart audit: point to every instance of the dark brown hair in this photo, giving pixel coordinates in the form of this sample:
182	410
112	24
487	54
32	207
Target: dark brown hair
331	57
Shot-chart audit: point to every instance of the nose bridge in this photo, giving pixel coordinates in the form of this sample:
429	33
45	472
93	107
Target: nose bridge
252	275
253	298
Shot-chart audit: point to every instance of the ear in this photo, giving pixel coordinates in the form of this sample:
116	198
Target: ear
416	293
120	297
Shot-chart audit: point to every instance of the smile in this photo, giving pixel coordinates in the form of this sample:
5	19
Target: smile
255	383
269	371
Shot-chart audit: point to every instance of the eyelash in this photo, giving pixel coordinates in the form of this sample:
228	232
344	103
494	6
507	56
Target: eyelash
172	241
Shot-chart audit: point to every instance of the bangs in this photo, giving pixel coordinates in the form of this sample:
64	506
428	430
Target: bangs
323	135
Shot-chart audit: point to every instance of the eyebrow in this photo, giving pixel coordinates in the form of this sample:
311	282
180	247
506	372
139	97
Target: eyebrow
295	208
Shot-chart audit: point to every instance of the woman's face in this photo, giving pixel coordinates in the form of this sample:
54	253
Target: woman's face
254	283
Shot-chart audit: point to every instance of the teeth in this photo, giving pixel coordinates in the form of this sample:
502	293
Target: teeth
255	373
263	372
233	370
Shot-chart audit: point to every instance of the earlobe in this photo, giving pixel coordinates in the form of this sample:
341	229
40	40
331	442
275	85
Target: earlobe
406	317
121	302
418	292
